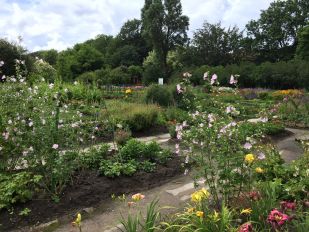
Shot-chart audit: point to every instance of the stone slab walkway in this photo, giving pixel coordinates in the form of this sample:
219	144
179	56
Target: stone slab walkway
289	147
171	196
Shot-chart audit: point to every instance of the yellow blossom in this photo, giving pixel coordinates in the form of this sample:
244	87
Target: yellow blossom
259	170
200	214
128	91
249	158
200	195
246	211
77	221
191	210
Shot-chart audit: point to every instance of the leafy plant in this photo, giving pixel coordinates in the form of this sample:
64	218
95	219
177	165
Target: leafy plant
18	187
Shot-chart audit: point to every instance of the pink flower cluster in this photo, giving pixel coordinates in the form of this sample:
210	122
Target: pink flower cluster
247	227
277	218
287	205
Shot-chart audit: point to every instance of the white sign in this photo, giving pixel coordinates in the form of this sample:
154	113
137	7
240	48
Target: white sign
160	81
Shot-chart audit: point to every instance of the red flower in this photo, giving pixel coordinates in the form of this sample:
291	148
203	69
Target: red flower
287	205
247	227
254	195
277	219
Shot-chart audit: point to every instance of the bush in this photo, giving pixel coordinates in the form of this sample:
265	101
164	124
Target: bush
137	150
17	187
92	158
121	136
112	168
279	75
160	95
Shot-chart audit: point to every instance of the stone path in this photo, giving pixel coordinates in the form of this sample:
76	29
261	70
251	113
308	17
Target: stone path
174	194
289	147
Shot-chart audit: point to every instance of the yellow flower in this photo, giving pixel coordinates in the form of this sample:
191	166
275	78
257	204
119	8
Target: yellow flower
200	195
191	210
200	214
138	197
249	158
128	91
259	170
78	220
246	211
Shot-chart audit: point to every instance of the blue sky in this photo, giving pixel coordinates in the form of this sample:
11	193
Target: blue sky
60	24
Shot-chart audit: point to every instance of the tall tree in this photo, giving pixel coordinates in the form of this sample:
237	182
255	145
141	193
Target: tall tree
302	51
216	45
164	27
274	35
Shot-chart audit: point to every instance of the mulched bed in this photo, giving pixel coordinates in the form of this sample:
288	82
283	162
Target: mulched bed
89	190
155	130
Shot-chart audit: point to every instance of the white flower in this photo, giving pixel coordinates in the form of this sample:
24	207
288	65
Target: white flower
1	63
30	124
187	74
205	75
55	146
51	85
247	146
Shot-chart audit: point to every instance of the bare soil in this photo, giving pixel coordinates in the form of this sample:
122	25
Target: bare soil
89	190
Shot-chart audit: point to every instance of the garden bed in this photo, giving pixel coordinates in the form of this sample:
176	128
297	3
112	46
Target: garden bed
89	189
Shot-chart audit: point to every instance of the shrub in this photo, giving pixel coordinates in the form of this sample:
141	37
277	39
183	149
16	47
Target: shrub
92	158
137	150
112	168
160	95
121	136
17	187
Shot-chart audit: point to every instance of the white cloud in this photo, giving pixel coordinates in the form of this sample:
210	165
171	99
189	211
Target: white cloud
62	23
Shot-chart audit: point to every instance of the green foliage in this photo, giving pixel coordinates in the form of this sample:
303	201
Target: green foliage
49	56
92	158
137	150
160	95
280	75
147	166
277	41
42	69
17	187
10	52
164	27
216	45
302	51
111	168
121	136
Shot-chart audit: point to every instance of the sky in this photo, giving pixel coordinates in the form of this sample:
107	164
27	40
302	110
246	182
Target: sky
60	24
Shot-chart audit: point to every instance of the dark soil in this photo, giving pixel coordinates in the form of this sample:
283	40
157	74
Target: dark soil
280	136
150	132
89	190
